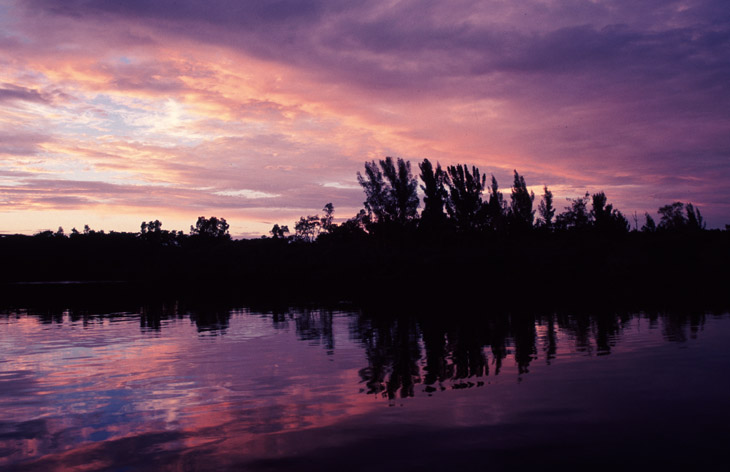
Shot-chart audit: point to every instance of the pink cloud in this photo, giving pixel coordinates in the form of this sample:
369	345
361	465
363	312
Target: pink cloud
290	98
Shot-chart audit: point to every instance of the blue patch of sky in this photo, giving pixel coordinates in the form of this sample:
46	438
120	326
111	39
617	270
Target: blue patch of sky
5	21
105	116
114	120
119	119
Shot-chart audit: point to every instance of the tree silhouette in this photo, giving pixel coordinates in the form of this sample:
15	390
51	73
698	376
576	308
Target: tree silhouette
465	205
403	189
210	228
390	191
151	227
496	207
152	232
352	229
44	234
677	217
308	228
694	218
546	209
576	216
521	214
376	192
326	221
435	194
279	232
672	217
605	217
649	225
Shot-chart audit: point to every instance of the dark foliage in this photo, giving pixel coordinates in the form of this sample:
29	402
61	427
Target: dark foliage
680	217
546	210
435	195
461	245
496	208
390	191
279	232
521	214
606	218
464	205
210	228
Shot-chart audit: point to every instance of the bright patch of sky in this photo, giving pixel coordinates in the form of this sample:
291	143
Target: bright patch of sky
67	167
165	122
245	193
340	185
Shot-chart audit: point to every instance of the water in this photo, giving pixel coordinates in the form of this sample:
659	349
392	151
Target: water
178	388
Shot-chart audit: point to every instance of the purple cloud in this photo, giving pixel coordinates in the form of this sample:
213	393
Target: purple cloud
623	96
10	92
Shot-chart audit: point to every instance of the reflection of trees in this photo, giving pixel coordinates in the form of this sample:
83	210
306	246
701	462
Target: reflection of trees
437	369
550	341
525	337
597	332
211	316
454	352
467	353
393	351
498	340
678	327
315	326
311	325
607	329
151	316
443	350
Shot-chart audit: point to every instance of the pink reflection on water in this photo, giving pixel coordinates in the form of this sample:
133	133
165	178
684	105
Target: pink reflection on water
106	393
97	387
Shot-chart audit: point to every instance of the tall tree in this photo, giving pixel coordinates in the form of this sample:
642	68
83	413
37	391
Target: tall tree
521	213
390	191
496	208
694	218
649	225
671	216
210	228
546	209
403	188
152	232
308	228
676	217
605	217
575	216
376	190
435	194
326	221
465	205
279	232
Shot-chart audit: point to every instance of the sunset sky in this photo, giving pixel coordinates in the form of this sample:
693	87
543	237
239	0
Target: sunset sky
114	112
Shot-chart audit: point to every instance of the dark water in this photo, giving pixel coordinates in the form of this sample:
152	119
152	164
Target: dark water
174	388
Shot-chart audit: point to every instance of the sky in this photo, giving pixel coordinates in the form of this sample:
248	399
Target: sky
113	113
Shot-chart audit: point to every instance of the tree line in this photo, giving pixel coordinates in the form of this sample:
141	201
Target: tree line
456	200
211	229
450	233
460	200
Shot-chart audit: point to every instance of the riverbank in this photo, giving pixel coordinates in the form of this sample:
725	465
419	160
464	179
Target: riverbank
536	269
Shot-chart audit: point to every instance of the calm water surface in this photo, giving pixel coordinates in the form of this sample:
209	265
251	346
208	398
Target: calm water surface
173	388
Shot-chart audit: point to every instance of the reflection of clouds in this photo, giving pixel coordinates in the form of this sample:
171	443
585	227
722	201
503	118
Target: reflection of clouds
106	382
75	385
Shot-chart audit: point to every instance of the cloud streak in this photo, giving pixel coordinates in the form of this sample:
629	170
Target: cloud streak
276	105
